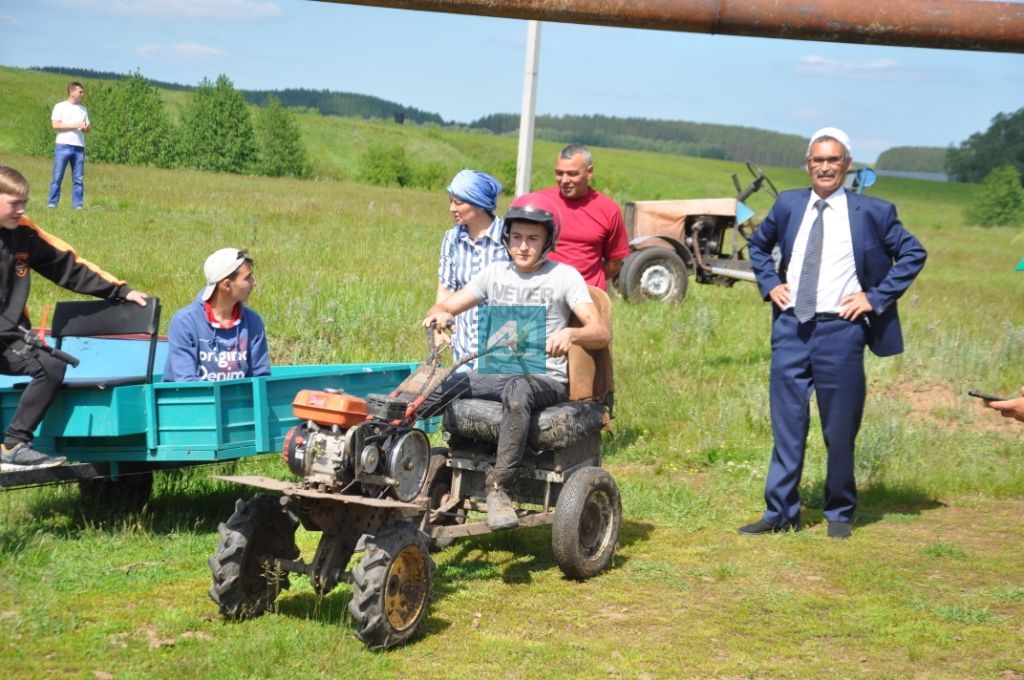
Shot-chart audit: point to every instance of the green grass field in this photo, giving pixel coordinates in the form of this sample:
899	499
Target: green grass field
930	586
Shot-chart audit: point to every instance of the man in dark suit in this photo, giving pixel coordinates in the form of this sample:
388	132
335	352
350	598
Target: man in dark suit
845	260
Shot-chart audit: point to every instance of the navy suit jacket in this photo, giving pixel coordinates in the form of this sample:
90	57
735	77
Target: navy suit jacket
887	257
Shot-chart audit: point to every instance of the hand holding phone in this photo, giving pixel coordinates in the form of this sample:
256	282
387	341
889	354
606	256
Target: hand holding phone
986	397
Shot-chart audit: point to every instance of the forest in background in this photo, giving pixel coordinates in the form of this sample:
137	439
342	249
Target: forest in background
703	140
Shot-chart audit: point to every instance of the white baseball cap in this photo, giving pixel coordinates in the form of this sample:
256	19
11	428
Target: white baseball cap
833	132
219	266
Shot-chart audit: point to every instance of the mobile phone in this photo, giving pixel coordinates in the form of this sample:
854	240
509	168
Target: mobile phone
986	397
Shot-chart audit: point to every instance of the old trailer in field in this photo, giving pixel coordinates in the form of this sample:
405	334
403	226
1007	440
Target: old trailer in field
117	422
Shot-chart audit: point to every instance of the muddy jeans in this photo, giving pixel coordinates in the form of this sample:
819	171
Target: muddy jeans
520	395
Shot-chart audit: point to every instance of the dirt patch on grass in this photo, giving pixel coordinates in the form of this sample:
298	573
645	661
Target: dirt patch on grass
942	405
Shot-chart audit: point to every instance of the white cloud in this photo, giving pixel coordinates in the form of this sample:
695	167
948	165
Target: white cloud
191	50
873	69
149	49
183	50
235	10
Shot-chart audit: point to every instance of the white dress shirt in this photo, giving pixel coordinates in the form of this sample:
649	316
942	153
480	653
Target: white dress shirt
837	278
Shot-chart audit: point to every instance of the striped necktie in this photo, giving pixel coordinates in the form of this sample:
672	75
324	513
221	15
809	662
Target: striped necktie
807	295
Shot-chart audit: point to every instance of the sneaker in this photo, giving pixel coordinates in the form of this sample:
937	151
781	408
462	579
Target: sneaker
500	512
24	457
839	530
52	205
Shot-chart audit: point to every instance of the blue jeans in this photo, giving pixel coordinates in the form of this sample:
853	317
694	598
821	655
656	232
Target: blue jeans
62	155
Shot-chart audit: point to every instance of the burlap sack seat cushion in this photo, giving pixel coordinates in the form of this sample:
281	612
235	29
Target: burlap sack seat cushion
553	428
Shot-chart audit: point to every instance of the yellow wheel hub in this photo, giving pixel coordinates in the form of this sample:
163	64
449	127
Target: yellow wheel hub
406	588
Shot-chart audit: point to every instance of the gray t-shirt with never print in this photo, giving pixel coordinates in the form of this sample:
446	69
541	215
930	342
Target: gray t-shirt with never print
556	286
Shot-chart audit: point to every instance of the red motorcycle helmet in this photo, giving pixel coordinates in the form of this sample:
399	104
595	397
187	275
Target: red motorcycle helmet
537	208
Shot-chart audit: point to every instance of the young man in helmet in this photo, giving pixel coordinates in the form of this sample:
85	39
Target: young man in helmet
530	279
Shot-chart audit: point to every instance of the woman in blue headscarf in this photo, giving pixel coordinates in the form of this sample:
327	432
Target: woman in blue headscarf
472	244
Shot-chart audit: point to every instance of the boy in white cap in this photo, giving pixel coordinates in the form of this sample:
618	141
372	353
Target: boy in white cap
845	261
217	337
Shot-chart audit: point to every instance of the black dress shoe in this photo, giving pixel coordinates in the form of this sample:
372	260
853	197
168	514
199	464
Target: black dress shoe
762	527
839	529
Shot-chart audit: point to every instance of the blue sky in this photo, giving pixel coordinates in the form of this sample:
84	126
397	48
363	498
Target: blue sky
464	67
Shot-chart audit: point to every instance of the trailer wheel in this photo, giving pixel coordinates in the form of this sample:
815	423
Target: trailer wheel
391	586
439	485
130	492
653	274
244	583
586	524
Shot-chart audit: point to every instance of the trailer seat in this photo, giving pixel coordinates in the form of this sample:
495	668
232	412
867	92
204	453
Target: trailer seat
588	410
104	318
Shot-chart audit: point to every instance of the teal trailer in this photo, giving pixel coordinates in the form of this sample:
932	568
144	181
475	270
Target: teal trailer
108	430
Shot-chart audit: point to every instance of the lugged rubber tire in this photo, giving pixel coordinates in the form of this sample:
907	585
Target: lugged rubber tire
391	586
258	529
586	526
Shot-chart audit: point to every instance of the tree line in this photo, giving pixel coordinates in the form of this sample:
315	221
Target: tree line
324	102
1000	145
913	159
725	142
217	132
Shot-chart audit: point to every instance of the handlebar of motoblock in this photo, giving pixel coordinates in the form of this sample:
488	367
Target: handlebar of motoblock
32	340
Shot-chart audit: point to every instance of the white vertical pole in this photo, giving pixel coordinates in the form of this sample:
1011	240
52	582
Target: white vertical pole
523	161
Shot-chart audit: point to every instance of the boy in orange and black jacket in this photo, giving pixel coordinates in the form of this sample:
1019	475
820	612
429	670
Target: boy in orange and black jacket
25	247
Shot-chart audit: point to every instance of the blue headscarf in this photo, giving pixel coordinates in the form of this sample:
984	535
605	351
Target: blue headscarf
476	188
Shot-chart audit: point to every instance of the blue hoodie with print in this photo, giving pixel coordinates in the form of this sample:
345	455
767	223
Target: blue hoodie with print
201	350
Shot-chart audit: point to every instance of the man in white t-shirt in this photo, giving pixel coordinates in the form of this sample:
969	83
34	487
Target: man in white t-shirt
529	282
71	121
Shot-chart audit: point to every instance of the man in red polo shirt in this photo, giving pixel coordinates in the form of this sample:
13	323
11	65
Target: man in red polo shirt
593	238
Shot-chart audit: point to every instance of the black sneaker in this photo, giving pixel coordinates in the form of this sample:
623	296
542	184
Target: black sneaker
23	457
761	527
839	530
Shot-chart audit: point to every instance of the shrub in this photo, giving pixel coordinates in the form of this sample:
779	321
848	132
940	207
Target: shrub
999	199
131	124
385	165
216	129
281	153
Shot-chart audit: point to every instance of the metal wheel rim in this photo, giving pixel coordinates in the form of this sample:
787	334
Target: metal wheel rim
656	281
595	523
406	588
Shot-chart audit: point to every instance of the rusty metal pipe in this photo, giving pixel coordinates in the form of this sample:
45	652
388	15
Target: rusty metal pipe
945	24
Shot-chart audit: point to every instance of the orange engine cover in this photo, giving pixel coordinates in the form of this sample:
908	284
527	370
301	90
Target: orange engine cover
329	408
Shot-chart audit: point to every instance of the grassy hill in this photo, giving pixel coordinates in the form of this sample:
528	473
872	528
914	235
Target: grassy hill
931	585
336	146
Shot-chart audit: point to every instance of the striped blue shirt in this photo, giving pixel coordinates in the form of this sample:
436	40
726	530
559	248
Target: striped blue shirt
461	259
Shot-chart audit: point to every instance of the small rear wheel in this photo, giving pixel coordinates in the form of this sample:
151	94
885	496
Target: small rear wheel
245	582
586	524
391	586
